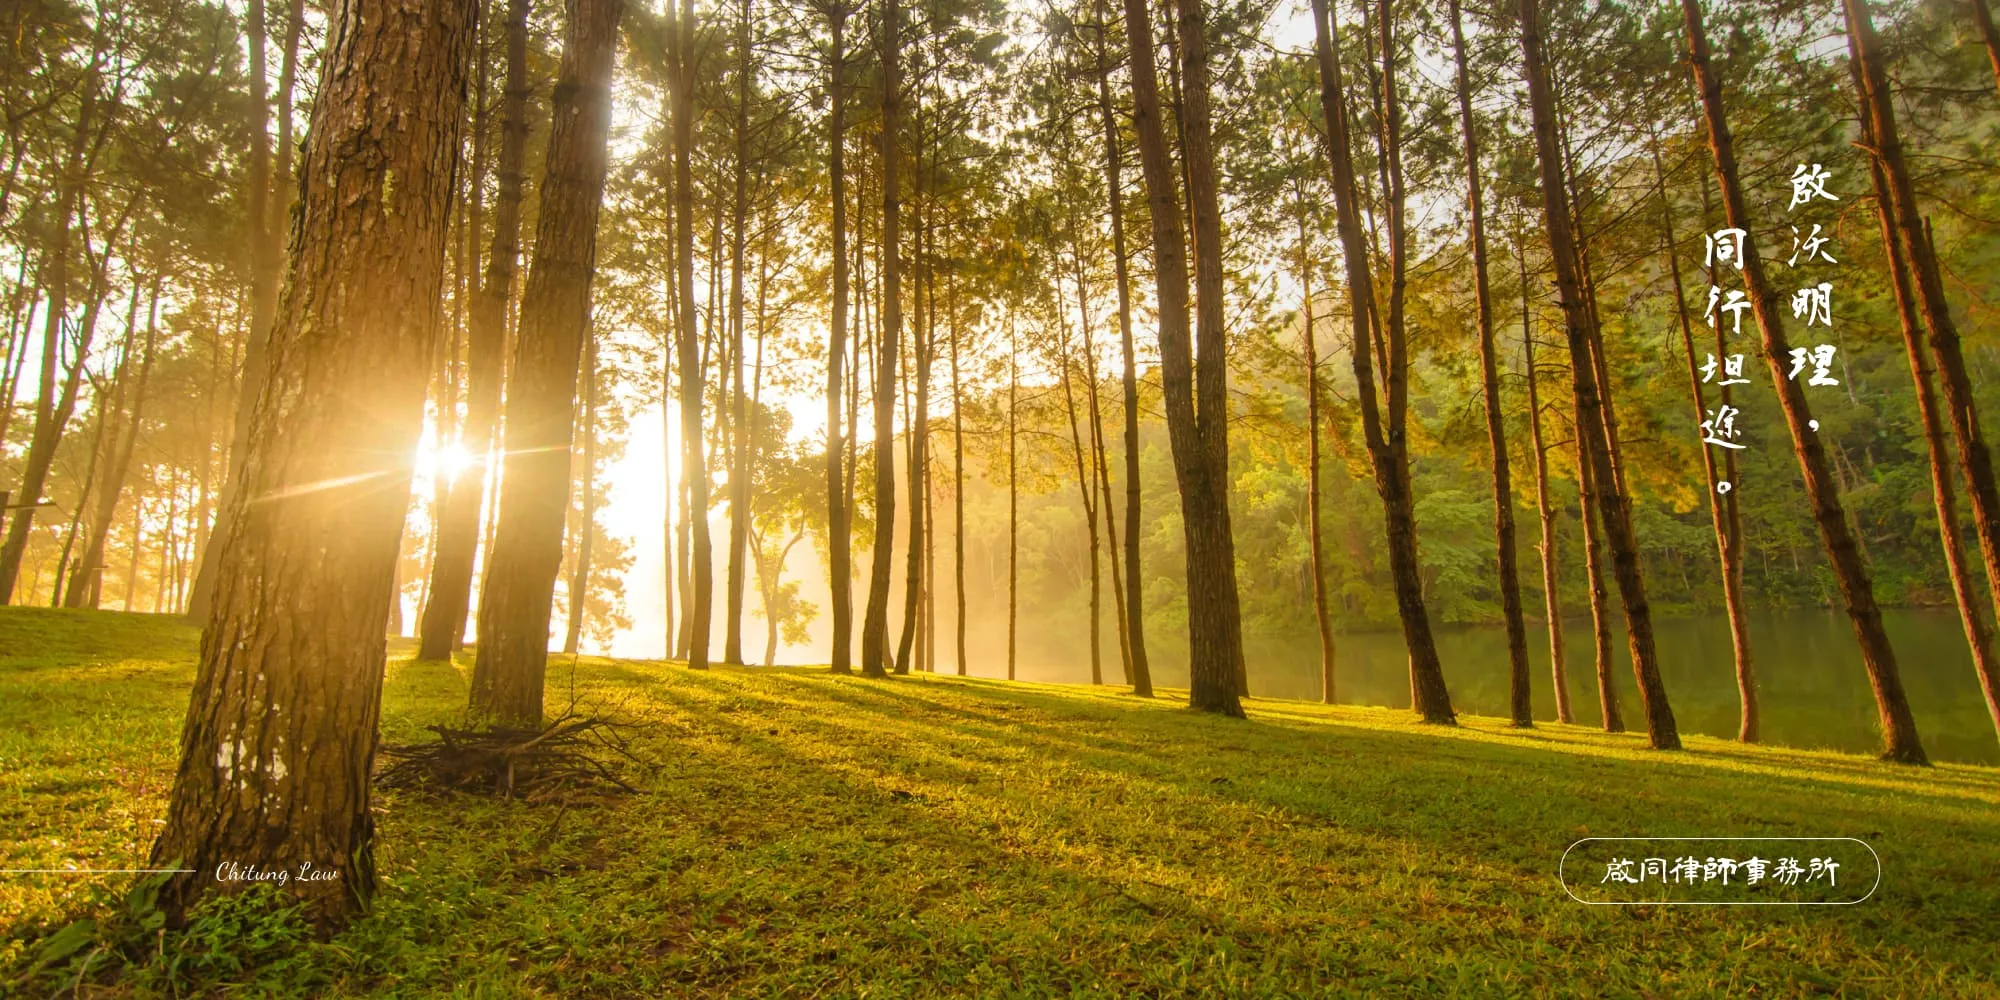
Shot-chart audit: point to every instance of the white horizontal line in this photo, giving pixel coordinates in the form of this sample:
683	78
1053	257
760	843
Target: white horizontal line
94	871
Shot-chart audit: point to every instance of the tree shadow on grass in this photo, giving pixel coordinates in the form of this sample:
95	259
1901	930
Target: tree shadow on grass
1578	756
1423	793
1179	831
1824	770
1329	754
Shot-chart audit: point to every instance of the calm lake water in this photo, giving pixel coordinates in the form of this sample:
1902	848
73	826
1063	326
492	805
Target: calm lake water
1813	691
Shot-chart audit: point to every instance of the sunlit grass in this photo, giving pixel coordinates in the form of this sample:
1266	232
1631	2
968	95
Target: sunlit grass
802	834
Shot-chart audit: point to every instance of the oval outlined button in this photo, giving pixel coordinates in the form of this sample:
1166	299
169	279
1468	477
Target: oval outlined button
1719	871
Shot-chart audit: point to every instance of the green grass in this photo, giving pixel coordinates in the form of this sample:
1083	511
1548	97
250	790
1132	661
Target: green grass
805	835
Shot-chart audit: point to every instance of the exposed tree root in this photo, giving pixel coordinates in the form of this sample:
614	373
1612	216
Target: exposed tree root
568	754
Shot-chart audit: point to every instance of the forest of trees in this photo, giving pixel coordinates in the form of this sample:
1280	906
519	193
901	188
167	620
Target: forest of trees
1156	324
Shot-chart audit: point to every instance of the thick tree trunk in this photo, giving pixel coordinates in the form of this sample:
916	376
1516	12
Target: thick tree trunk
1216	545
443	628
1520	699
1900	741
698	598
1429	697
1584	340
1545	509
281	731
1134	583
1213	637
840	553
875	621
1721	499
515	602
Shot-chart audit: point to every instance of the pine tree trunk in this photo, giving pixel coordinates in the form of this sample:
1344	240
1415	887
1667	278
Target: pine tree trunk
54	408
1900	741
138	549
87	580
1545	509
927	660
1983	17
1108	506
1134	583
1912	231
1584	341
516	601
394	624
1602	623
280	735
1593	571
47	430
1316	545
579	581
1520	699
264	277
1394	328
697	599
919	418
739	472
957	488
19	333
669	621
1429	697
840	555
1721	500
1013	495
683	534
1086	487
875	621
443	629
1964	584
1210	363
284	184
1213	638
849	462
103	436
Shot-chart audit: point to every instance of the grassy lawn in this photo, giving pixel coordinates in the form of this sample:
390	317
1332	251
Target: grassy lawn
800	834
